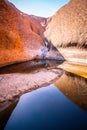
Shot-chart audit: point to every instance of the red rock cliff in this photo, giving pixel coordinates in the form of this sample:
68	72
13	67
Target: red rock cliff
20	36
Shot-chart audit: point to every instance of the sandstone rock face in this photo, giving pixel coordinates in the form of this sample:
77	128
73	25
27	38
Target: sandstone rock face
35	22
42	20
68	27
20	37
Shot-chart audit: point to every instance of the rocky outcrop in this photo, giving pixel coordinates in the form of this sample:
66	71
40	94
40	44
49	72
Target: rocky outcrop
35	22
68	27
42	20
21	35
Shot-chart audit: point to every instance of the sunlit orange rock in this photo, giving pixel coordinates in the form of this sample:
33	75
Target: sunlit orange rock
35	23
42	20
20	36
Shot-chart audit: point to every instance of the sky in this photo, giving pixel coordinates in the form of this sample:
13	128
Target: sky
44	8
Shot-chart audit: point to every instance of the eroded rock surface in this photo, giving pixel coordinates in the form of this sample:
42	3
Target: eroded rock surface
68	28
20	37
69	24
42	20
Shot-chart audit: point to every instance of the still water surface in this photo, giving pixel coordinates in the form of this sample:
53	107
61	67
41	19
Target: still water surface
61	106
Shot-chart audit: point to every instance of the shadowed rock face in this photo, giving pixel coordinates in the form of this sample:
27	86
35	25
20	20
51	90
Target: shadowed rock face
68	27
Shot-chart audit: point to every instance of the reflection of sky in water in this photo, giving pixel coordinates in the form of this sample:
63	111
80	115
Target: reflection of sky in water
44	109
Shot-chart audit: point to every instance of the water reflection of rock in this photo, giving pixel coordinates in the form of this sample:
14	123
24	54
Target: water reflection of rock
46	109
75	88
75	68
18	79
16	82
5	114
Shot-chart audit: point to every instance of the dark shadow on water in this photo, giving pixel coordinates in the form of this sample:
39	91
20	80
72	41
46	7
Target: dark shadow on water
4	115
29	66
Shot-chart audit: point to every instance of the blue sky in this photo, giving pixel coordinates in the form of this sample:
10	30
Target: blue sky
44	8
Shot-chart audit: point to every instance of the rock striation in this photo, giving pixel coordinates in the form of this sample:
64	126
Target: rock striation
67	29
68	26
